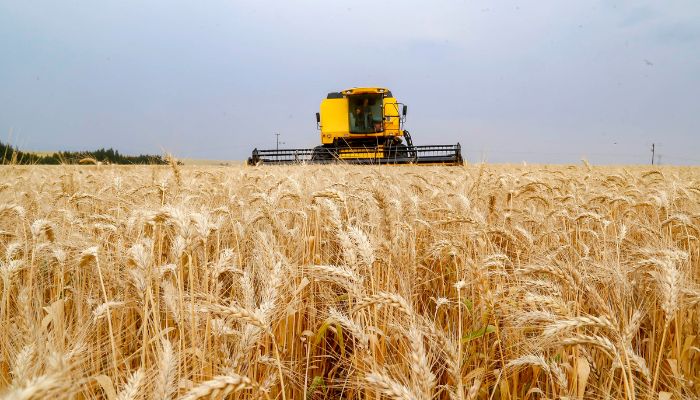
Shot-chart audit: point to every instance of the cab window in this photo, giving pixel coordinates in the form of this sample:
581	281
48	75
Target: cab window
365	113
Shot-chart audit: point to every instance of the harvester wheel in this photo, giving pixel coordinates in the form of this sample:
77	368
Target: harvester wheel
321	153
399	151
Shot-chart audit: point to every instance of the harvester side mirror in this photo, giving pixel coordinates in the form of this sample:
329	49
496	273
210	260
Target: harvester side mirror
405	110
318	118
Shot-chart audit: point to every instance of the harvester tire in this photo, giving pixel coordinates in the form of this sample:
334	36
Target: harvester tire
321	153
398	151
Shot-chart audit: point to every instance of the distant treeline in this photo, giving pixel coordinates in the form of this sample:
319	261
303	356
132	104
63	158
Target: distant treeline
10	155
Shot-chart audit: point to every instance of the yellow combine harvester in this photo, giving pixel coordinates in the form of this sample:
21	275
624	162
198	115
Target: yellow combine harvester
362	126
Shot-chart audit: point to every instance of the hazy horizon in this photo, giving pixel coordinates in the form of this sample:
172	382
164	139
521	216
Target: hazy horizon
544	82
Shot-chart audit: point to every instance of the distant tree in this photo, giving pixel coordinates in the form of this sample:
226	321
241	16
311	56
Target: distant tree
11	155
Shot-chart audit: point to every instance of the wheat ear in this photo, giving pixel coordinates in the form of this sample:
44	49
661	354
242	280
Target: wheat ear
219	386
165	384
389	299
389	387
131	388
420	364
577	322
238	313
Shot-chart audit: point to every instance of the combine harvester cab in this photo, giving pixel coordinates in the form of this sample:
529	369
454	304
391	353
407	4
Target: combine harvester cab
362	126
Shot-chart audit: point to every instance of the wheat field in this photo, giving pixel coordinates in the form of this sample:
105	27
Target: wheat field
330	282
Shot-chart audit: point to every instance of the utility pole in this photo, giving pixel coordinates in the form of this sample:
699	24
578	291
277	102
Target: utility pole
277	146
652	153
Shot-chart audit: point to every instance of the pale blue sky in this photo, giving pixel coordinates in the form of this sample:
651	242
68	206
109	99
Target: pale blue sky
536	81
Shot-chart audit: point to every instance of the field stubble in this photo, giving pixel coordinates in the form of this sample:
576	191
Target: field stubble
350	282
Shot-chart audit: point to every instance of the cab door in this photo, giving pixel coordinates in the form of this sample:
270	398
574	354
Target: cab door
392	118
334	119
